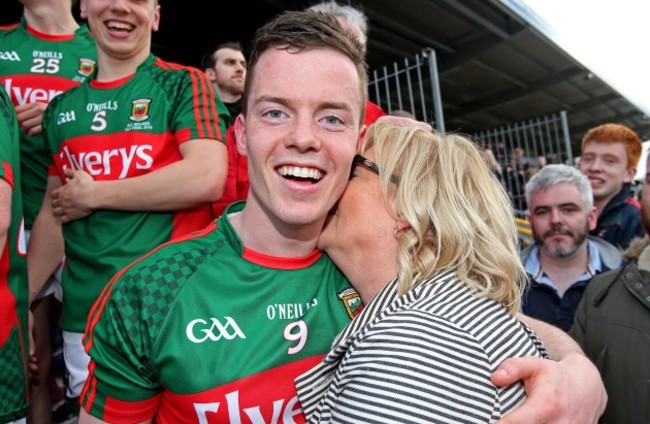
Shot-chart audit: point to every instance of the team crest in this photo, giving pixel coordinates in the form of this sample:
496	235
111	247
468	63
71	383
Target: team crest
352	301
86	67
140	110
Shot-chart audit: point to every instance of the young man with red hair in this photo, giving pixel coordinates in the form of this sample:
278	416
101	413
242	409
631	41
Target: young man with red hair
610	153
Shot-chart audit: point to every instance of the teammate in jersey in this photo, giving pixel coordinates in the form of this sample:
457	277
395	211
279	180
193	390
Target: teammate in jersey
45	54
13	273
136	157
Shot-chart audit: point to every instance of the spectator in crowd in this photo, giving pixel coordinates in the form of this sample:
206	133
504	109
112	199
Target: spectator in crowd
432	268
300	131
225	66
564	258
356	23
138	161
514	177
493	165
14	344
610	153
52	54
612	325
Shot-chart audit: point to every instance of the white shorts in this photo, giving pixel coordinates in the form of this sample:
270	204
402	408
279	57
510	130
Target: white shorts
20	421
76	362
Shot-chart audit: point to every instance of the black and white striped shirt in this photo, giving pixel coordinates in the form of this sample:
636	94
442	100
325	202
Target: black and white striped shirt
425	356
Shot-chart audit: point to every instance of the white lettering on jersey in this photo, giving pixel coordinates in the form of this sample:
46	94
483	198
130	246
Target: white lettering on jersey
296	332
13	56
228	331
65	117
97	107
280	409
99	163
25	95
47	55
289	311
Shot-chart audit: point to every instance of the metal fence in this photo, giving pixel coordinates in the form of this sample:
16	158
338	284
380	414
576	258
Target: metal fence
519	148
523	148
411	87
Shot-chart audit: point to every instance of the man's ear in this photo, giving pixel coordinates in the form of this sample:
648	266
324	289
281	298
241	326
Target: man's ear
531	224
592	218
156	19
362	135
240	134
630	173
212	74
82	9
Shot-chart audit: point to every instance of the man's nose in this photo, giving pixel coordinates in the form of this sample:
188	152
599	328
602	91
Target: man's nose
304	136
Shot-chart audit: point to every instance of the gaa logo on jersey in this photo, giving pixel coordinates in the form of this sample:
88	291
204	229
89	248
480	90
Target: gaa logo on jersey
140	110
86	67
351	300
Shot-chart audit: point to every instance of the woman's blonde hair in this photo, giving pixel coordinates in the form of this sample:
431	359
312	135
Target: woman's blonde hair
460	216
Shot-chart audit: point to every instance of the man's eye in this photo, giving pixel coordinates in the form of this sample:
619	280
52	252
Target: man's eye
333	120
274	114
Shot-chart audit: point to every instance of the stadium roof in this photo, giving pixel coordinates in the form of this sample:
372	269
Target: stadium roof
495	68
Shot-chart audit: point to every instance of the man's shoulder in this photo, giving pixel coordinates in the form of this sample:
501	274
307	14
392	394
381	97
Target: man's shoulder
623	200
175	260
630	201
610	255
67	98
10	30
601	284
163	70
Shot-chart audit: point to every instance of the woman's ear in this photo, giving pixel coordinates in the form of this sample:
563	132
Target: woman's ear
401	224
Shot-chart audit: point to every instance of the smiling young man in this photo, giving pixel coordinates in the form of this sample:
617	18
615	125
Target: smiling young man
563	259
610	153
136	160
219	324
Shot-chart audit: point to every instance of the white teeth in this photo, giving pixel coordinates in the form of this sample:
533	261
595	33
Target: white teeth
119	25
299	172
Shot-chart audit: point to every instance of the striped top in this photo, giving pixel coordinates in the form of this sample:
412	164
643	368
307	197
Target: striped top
425	356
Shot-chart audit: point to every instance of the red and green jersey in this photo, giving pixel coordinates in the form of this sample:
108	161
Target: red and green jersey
35	67
204	330
13	278
117	130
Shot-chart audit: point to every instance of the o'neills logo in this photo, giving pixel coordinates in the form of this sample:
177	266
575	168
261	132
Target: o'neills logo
86	67
351	300
140	110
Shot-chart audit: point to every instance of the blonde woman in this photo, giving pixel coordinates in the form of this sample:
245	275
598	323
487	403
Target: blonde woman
426	235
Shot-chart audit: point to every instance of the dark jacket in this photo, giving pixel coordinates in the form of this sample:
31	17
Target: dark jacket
620	221
544	303
613	327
